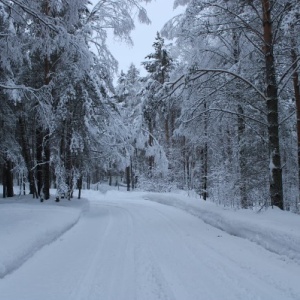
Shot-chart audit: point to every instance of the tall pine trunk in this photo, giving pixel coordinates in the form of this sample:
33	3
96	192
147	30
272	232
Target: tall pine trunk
8	183
46	132
69	162
128	178
26	153
242	158
241	130
43	163
39	161
46	165
79	186
205	157
276	190
150	142
294	56
132	175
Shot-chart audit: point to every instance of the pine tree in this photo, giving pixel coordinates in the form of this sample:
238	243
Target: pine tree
160	62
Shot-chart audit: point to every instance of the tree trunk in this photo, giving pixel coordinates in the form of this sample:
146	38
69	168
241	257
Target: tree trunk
276	190
294	57
3	184
88	181
242	158
205	157
26	153
43	164
46	166
204	192
79	186
132	175
188	172
167	134
43	143
241	130
150	142
183	148
109	178
68	157
39	161
46	133
69	173
128	178
8	179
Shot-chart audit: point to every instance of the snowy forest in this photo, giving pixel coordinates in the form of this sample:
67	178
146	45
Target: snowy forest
218	111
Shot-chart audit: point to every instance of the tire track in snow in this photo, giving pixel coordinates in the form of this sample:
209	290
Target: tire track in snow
140	250
149	281
226	269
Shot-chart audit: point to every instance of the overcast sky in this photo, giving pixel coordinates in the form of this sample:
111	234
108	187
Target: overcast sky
159	11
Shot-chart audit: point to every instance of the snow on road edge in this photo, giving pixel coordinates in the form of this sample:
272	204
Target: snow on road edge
275	230
26	228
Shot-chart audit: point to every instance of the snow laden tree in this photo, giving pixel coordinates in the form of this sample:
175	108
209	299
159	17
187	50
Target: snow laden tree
130	97
159	63
246	40
156	116
61	86
290	56
129	107
11	48
201	112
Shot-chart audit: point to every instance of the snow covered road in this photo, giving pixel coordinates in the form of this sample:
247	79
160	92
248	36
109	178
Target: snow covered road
126	249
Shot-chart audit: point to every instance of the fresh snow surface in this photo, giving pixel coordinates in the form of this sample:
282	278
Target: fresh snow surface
124	246
26	225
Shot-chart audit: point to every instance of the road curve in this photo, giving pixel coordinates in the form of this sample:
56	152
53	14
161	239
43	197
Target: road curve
135	249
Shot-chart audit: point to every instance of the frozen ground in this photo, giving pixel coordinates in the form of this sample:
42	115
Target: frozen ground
122	246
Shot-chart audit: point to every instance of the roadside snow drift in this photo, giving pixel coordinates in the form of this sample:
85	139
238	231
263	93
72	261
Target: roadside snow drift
275	230
25	228
125	247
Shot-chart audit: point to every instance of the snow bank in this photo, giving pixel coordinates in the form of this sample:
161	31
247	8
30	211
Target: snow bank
26	227
275	230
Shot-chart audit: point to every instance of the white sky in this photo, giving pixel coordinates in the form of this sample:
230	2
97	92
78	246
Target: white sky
159	12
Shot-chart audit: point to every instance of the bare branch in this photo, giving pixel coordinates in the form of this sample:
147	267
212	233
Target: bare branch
31	12
222	71
224	111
